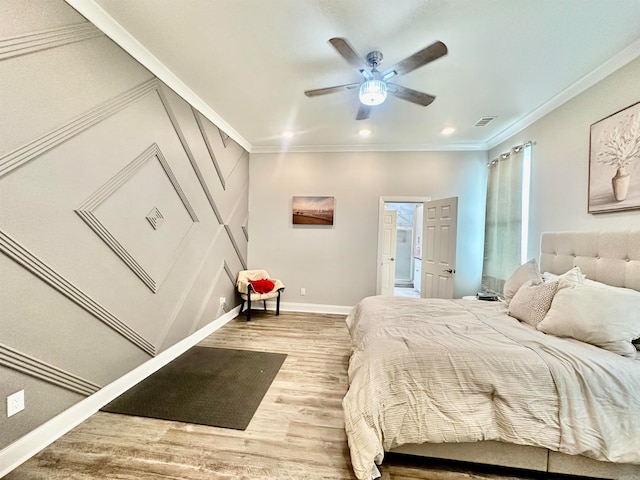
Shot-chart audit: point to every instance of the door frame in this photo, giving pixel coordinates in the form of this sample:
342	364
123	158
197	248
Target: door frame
382	200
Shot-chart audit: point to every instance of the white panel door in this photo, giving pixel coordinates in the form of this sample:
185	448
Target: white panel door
388	268
439	248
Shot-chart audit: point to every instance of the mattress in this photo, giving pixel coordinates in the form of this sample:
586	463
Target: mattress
435	370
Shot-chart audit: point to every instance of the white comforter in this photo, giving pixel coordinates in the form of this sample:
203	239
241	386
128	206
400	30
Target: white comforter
462	371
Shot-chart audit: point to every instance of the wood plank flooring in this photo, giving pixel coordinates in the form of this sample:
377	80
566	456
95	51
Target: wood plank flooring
297	432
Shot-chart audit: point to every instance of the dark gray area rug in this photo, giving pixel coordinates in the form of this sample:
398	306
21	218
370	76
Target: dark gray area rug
210	386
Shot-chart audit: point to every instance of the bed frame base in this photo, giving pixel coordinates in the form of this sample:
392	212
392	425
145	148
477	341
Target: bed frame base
523	457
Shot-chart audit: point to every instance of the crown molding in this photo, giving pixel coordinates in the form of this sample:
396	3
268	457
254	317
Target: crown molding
470	147
107	24
600	73
101	19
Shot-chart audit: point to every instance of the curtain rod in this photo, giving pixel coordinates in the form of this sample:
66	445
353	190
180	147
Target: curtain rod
517	148
504	156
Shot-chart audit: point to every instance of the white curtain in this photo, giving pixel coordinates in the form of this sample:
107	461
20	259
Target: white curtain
503	221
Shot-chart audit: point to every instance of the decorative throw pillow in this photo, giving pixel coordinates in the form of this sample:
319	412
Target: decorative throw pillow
525	272
532	301
607	318
262	286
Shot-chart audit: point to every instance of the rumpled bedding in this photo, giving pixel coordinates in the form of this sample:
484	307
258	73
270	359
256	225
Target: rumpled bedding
434	370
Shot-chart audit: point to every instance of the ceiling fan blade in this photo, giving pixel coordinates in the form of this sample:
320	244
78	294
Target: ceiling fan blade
410	95
345	49
417	60
324	91
363	112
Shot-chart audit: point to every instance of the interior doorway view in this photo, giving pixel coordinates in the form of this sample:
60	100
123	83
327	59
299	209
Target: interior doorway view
417	247
408	253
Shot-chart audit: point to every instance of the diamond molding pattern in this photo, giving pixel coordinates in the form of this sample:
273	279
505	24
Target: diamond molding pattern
208	266
210	148
228	151
190	155
87	211
155	218
33	367
32	150
55	37
28	260
224	137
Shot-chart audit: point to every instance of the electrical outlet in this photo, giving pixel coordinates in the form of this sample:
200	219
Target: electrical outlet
15	403
223	301
303	291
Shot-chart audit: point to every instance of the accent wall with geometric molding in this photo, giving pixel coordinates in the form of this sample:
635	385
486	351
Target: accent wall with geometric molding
123	213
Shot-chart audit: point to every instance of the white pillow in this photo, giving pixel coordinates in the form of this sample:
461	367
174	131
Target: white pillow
574	276
532	301
525	272
593	283
607	318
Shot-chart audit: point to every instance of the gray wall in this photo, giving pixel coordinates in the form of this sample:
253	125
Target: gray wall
560	158
337	265
91	143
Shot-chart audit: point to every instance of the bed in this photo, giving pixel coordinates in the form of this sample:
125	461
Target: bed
464	380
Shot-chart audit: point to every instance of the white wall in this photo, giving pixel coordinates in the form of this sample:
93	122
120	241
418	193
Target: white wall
337	265
560	159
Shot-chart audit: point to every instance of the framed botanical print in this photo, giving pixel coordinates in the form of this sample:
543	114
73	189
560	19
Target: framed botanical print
614	162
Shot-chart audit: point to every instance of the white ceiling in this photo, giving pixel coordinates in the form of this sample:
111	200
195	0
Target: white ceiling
250	61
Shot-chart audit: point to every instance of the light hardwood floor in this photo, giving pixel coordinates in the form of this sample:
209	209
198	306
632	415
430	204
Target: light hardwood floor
297	432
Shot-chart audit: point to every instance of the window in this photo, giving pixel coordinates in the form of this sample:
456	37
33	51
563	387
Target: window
507	217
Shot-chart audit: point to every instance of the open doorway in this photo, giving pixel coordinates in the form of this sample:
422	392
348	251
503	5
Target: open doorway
408	247
432	258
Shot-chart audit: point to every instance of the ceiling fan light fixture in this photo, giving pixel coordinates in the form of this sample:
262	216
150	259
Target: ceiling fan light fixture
373	92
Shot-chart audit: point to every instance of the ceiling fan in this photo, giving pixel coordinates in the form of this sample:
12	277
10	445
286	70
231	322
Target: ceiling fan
373	90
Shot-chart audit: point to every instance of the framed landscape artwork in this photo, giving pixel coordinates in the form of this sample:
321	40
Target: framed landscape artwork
312	210
614	162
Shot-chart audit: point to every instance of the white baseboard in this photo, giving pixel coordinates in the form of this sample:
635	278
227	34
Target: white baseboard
24	448
310	308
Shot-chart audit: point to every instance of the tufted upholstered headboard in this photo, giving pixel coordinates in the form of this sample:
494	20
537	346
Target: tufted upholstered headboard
608	257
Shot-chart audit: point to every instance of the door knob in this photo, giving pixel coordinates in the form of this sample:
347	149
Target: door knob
449	270
392	259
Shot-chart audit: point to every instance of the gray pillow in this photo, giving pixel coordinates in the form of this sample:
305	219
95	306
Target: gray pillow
525	272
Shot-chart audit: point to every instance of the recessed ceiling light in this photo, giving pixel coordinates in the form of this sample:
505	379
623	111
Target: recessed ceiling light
448	130
364	132
287	134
